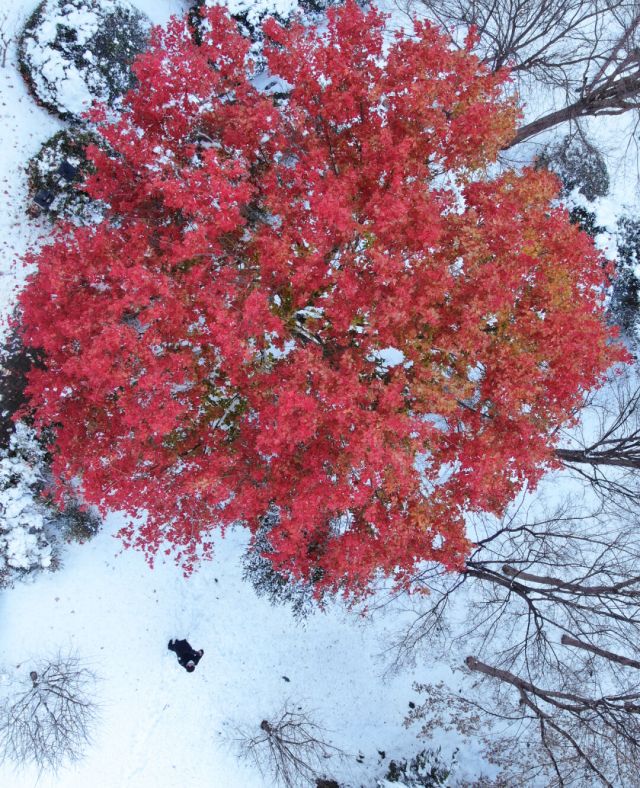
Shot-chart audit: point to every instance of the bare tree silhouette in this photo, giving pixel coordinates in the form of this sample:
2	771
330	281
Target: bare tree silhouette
289	749
50	721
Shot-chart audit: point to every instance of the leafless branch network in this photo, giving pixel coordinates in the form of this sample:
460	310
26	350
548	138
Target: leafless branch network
49	722
289	750
549	609
605	450
5	39
587	51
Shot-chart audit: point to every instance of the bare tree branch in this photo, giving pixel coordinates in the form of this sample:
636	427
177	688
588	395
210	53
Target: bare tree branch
550	603
289	750
585	50
50	721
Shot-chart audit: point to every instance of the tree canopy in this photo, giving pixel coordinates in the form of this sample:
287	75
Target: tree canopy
331	306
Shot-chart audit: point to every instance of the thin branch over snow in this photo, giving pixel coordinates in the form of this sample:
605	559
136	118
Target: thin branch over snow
290	749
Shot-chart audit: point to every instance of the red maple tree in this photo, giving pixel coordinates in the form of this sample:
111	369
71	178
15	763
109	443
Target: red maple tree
326	305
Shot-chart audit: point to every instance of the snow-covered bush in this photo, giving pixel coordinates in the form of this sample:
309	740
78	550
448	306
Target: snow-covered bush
625	299
15	362
25	542
78	524
584	176
579	165
31	526
57	168
72	52
585	219
48	720
250	14
426	770
629	243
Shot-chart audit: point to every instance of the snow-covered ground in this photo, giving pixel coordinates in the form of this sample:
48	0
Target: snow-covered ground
160	726
24	127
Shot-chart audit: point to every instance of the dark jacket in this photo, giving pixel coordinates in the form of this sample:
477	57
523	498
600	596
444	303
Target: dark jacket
185	652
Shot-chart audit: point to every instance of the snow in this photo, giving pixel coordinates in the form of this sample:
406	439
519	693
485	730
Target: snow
159	11
390	357
72	90
161	726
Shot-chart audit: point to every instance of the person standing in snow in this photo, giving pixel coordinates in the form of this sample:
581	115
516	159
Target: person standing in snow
187	656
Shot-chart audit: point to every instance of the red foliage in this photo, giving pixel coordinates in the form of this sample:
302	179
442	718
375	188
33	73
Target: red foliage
214	345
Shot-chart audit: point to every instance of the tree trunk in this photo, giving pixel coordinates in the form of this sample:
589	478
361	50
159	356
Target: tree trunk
567	640
576	110
611	97
590	458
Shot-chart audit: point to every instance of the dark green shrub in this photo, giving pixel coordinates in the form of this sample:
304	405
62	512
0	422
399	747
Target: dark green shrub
15	362
624	306
586	220
267	581
251	14
77	524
